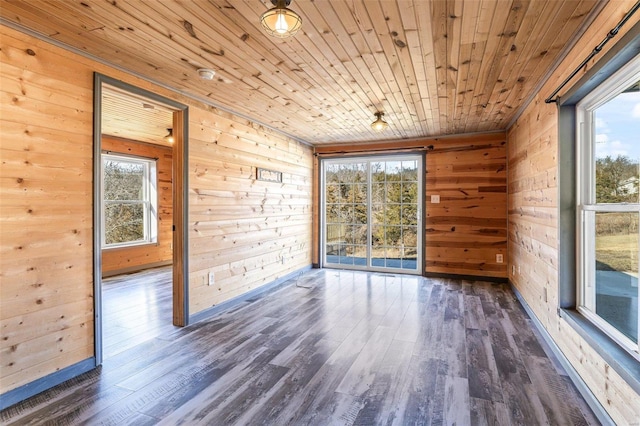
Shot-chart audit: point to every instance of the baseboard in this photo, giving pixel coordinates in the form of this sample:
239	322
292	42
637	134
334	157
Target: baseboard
466	277
209	312
582	387
30	389
138	268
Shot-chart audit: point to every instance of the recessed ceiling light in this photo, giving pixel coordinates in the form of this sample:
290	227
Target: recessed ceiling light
206	73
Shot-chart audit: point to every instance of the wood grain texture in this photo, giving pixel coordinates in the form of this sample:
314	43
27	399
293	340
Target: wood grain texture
353	348
533	224
130	258
465	231
434	67
46	258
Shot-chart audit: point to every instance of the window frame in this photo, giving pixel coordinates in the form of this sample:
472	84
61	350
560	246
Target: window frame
586	204
149	202
368	159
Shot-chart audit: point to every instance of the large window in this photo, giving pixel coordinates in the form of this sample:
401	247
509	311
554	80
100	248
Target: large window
608	205
371	213
129	201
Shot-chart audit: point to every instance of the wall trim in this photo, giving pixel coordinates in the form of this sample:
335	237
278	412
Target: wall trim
582	387
272	286
23	392
138	268
501	280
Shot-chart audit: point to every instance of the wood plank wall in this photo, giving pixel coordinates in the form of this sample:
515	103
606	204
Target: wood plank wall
246	231
128	259
239	227
533	222
465	231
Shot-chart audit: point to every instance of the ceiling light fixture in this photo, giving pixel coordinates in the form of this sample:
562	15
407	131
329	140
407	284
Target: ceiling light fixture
169	137
281	21
206	73
379	125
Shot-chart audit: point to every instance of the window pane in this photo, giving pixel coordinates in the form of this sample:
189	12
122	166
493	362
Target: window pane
123	180
410	171
410	215
333	213
410	192
124	223
616	246
617	124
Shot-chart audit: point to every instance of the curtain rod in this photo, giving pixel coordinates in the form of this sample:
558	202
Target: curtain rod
611	34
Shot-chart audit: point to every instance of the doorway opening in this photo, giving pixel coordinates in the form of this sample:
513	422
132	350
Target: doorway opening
371	216
140	268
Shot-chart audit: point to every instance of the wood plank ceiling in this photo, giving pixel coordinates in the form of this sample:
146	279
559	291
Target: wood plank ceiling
129	116
434	67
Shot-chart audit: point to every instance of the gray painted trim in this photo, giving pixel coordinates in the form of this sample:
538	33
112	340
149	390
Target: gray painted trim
97	218
99	80
622	52
582	387
272	286
567	261
466	277
423	228
185	213
14	396
620	360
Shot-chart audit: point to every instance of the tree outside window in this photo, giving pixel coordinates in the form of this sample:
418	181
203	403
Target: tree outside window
129	201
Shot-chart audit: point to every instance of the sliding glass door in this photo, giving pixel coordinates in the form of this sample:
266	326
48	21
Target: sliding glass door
371	213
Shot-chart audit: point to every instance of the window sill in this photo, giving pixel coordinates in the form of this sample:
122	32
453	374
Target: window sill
619	359
130	246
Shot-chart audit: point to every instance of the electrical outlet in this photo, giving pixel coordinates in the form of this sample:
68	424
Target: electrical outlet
499	258
212	278
513	269
283	260
435	199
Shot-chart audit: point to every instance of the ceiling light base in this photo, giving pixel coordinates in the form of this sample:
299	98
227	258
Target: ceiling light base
206	73
379	125
280	21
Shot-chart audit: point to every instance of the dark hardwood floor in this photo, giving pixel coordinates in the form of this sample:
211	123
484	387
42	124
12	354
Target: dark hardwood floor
353	348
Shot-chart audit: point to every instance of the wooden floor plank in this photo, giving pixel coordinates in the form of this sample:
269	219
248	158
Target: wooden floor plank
350	348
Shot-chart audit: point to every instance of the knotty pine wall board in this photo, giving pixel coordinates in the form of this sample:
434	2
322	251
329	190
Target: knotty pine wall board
470	177
46	250
532	143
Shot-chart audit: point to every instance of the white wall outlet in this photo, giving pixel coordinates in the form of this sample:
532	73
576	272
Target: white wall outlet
513	269
499	258
212	278
435	199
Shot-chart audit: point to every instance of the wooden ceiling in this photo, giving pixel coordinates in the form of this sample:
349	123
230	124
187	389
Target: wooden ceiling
434	67
129	116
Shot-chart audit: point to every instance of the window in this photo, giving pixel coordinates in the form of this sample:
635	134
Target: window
371	213
129	201
608	205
